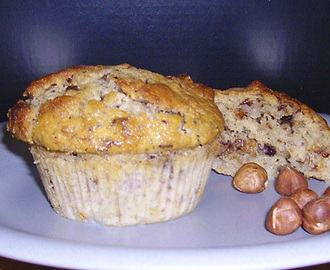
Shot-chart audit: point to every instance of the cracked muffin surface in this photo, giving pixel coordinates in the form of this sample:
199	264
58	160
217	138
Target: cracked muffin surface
117	145
111	109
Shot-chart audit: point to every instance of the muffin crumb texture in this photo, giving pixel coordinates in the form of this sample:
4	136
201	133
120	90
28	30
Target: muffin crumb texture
273	130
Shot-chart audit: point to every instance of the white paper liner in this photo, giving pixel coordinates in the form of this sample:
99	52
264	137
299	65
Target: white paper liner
124	189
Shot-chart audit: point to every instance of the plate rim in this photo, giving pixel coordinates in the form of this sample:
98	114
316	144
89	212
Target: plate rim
116	257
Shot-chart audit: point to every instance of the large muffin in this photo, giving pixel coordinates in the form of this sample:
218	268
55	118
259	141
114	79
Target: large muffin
117	145
273	130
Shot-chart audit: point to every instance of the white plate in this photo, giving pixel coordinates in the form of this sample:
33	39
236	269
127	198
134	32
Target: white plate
226	229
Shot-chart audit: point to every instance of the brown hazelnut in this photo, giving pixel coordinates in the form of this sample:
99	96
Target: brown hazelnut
284	217
251	178
289	181
327	192
316	215
303	196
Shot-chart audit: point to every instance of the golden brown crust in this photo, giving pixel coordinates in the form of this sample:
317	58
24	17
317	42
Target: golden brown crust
20	121
115	109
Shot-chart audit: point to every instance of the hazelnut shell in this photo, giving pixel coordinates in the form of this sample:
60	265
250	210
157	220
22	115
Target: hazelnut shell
289	181
327	191
285	217
303	196
316	215
251	178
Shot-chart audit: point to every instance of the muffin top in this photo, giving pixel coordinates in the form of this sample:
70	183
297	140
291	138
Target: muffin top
115	109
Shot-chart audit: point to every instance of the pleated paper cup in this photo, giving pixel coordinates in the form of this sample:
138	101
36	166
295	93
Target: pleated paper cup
124	189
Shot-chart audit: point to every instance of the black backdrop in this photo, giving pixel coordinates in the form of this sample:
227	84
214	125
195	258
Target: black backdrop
219	43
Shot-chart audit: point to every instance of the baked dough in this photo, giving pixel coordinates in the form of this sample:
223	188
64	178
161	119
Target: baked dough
273	130
117	145
115	109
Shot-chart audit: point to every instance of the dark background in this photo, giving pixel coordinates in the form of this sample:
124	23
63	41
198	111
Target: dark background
219	43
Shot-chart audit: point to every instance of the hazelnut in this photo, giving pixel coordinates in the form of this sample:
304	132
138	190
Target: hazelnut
289	181
250	178
316	215
327	192
284	217
303	196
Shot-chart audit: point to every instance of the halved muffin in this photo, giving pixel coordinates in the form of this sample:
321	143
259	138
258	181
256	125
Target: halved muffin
273	130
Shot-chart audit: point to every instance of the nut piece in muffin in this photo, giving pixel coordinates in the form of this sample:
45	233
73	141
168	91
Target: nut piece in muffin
273	130
117	145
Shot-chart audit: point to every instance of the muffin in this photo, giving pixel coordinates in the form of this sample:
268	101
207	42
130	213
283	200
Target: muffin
118	145
273	130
